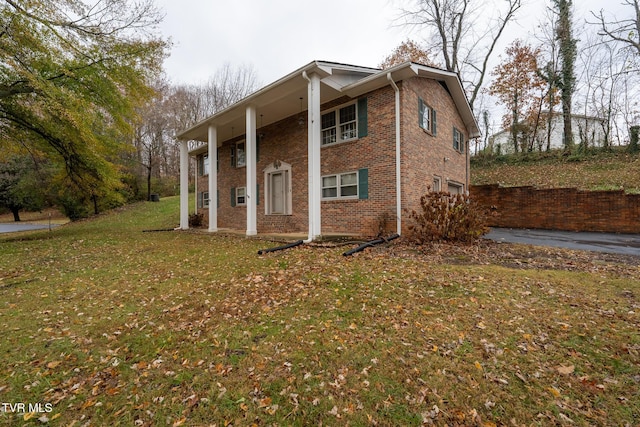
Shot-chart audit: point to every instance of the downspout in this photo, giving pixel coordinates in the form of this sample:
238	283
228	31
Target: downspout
398	170
195	187
310	187
467	169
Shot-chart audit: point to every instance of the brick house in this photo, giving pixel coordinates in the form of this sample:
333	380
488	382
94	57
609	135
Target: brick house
330	148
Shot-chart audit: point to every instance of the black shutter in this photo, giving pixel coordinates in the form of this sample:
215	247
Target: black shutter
362	118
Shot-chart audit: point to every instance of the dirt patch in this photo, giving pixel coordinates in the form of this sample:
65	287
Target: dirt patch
519	256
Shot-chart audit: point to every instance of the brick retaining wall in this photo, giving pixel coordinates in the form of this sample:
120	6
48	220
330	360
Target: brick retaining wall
560	208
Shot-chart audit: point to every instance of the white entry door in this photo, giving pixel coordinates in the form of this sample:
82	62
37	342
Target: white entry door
277	193
277	196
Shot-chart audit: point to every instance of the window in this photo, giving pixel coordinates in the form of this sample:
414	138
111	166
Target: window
339	125
205	164
205	199
458	140
238	157
437	184
241	196
341	186
426	117
455	187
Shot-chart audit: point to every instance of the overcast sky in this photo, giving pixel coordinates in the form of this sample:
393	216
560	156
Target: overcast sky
278	36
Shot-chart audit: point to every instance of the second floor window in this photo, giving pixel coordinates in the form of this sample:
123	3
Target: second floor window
340	125
238	157
426	117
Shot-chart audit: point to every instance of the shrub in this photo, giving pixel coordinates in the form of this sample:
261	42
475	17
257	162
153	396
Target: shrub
196	220
447	217
74	208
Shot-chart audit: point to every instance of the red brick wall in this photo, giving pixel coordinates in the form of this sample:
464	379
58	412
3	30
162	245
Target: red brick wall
423	154
376	152
560	208
422	158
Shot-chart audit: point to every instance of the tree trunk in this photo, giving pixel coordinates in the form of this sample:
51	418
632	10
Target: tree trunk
564	34
148	184
16	214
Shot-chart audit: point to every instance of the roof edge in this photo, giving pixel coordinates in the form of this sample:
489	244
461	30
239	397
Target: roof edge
324	68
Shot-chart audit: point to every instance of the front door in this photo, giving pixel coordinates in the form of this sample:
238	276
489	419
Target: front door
277	193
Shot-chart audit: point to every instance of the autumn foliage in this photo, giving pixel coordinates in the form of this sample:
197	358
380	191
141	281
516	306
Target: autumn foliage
408	51
447	217
519	86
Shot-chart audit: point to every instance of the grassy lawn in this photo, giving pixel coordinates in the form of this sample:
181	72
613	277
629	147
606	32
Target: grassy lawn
103	324
603	171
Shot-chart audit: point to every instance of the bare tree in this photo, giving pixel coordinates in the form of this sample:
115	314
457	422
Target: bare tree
454	32
177	107
550	71
624	30
227	86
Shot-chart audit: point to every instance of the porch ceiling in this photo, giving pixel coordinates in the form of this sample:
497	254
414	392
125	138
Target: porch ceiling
283	98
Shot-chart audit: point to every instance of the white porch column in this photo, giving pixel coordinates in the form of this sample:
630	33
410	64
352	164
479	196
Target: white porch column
314	136
252	197
184	185
213	178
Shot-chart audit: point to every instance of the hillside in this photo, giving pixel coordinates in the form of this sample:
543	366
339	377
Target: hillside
596	171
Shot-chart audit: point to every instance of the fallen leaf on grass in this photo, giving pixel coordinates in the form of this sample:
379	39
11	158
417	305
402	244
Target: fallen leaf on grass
566	370
53	365
554	391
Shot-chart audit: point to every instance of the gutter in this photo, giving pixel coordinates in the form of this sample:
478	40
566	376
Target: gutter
398	170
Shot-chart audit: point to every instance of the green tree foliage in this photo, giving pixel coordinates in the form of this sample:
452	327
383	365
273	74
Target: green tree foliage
22	184
71	76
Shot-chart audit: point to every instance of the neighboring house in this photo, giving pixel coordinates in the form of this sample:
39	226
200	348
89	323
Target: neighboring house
585	129
330	148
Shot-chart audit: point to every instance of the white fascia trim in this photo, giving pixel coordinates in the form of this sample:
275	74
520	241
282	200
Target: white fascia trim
322	68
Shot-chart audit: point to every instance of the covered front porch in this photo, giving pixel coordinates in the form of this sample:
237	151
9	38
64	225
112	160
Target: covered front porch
295	94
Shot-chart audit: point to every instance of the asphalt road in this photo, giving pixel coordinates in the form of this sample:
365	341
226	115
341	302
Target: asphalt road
13	227
627	244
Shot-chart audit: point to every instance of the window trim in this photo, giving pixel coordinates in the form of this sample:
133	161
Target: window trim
458	143
206	167
339	186
234	154
438	180
244	190
278	167
338	124
456	184
423	107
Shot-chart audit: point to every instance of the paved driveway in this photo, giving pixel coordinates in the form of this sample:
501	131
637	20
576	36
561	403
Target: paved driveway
627	244
13	227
